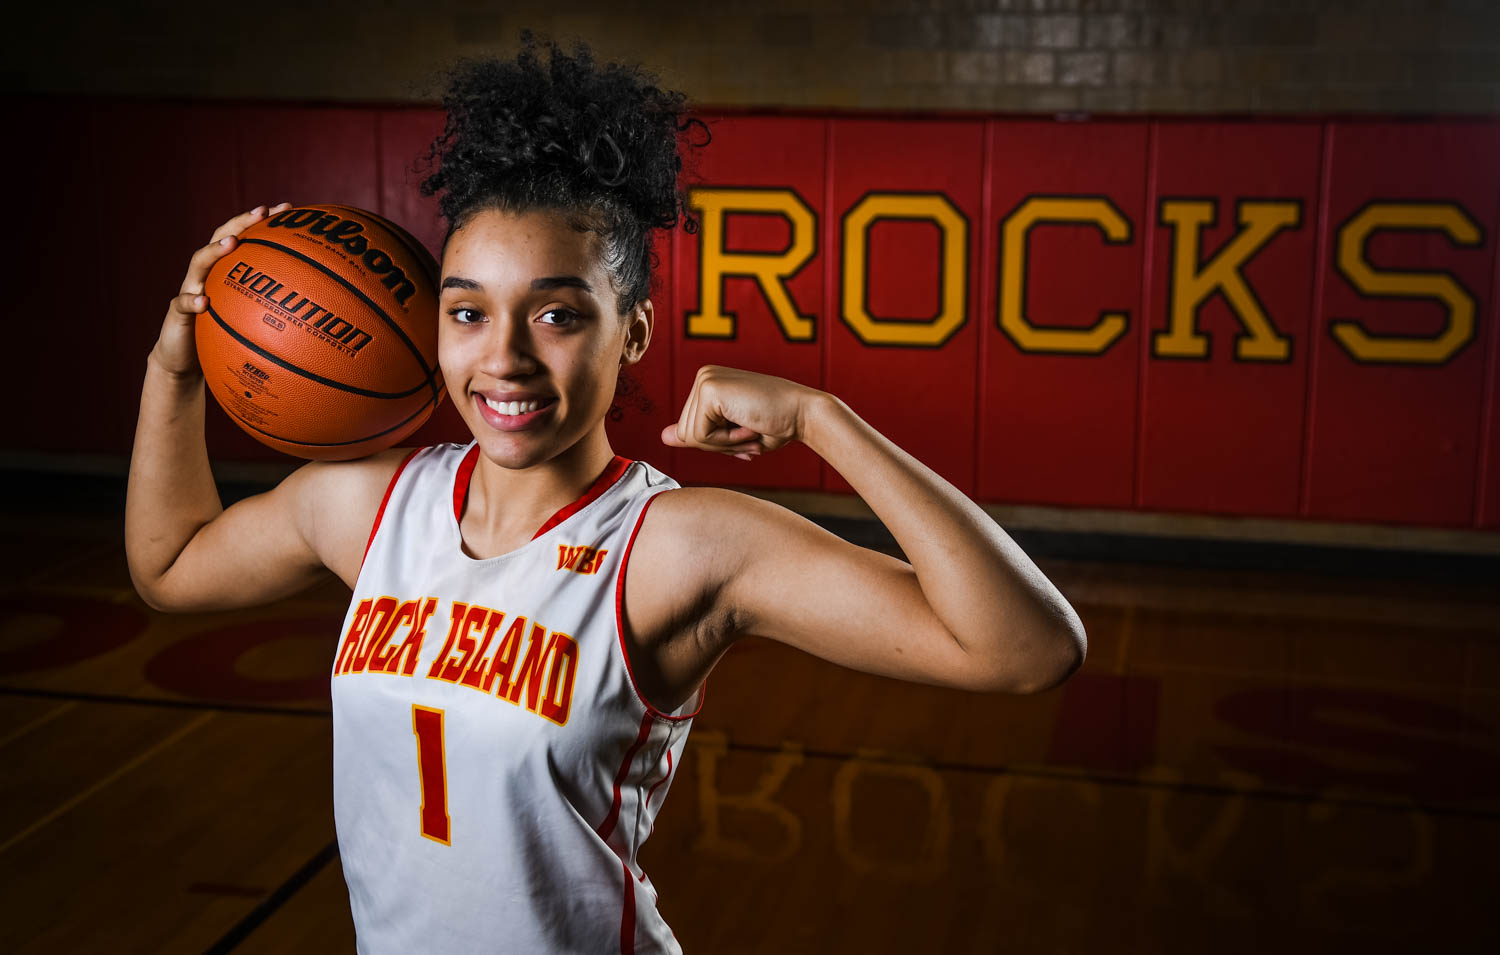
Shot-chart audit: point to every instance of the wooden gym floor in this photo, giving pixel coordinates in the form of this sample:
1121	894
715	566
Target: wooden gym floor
1250	761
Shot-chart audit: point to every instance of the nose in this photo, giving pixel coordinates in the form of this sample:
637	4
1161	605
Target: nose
509	350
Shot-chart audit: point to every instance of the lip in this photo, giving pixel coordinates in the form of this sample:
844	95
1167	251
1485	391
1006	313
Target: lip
518	422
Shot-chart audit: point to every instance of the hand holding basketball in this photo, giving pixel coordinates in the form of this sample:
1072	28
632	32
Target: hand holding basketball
176	350
739	412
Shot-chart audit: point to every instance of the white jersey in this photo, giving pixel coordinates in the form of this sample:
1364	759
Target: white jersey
495	768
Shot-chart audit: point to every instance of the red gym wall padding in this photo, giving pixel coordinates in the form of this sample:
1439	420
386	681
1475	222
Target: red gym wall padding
1401	442
1273	318
1058	406
1221	431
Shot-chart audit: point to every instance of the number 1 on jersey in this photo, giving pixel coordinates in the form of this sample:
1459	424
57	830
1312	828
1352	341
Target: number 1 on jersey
432	771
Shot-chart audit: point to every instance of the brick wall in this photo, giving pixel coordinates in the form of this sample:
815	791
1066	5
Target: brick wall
1424	56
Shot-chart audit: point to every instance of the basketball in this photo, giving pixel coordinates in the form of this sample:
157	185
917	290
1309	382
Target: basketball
320	335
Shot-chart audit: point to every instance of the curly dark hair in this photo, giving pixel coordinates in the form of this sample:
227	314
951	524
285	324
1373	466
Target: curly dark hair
602	144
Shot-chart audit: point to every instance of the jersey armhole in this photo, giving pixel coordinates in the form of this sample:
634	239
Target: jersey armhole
620	629
383	502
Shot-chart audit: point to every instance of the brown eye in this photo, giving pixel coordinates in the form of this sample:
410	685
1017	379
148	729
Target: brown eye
560	316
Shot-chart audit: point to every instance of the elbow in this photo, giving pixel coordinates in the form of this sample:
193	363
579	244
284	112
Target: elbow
147	589
154	604
1062	651
162	601
146	594
140	581
1065	655
1046	660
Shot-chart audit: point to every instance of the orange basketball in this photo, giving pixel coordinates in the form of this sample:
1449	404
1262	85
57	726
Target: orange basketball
320	336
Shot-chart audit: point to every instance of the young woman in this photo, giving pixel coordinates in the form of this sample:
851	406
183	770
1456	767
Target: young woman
534	617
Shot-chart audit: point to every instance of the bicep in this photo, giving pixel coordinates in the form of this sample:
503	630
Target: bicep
272	545
804	586
254	552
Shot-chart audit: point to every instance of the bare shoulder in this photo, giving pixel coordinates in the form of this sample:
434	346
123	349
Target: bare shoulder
360	474
692	543
338	501
699	523
712	512
718	521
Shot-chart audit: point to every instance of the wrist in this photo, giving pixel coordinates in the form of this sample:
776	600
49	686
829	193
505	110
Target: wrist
818	414
185	379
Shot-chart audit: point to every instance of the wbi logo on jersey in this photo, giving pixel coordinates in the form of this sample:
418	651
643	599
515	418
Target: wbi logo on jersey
580	559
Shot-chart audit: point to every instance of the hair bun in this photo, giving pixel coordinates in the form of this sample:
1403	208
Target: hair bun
554	128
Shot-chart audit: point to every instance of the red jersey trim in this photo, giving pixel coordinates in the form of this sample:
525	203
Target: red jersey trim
607	827
652	791
461	482
627	915
383	502
651	711
612	472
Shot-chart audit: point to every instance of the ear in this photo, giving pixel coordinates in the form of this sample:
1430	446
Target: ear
638	325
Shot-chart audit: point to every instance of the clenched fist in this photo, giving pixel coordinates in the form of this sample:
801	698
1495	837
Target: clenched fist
742	413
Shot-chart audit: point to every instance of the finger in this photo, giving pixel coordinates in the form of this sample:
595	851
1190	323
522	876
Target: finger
280	207
202	261
240	223
689	428
710	429
730	436
743	456
739	433
740	450
189	304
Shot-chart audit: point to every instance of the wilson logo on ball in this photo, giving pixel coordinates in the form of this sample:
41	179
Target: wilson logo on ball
301	309
350	235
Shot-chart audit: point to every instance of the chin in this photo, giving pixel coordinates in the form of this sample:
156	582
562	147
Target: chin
512	454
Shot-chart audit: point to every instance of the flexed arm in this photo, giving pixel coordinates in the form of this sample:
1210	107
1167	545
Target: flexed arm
970	610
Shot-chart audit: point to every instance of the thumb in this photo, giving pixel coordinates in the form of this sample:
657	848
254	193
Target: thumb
669	436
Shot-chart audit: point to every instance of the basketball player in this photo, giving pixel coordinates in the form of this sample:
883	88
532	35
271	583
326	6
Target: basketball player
533	616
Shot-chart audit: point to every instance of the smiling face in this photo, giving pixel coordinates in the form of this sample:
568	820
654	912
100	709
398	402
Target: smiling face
529	337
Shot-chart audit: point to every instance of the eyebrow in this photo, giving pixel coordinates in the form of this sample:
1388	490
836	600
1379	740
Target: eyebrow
560	281
537	285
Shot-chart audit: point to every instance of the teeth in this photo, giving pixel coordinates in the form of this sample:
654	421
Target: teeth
512	407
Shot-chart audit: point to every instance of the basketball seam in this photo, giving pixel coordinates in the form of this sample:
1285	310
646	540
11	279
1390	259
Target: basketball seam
310	375
429	374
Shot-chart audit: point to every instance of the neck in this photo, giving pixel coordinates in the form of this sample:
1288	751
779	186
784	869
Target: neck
516	501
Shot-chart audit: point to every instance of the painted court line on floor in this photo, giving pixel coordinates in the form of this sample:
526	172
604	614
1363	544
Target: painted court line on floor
107	780
40	721
258	915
